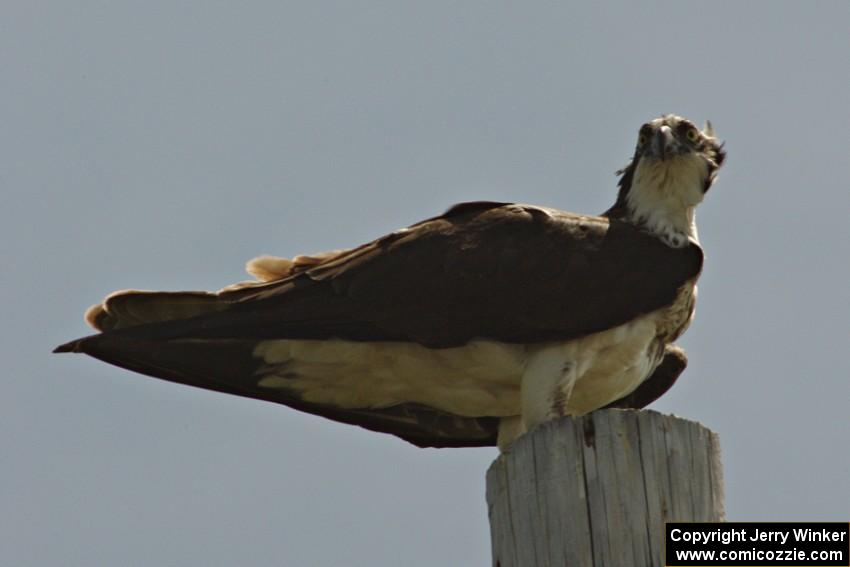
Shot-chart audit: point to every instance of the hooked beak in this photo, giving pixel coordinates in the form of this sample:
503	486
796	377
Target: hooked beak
662	141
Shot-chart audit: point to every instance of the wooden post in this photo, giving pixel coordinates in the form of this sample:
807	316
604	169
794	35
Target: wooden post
595	491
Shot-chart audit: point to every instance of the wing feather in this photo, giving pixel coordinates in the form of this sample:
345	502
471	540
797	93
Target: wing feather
512	273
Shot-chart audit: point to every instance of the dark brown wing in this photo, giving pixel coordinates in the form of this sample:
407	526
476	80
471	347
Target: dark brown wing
511	273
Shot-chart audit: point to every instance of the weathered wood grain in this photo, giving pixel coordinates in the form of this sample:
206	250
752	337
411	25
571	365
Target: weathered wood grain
595	491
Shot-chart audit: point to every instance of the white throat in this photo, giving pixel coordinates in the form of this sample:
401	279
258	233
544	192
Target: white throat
664	196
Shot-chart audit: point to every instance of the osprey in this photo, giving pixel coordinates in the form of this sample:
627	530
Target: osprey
465	329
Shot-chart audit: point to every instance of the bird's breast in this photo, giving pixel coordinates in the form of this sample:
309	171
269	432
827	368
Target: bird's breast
481	378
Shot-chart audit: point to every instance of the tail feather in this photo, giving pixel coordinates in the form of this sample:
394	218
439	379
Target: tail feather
131	308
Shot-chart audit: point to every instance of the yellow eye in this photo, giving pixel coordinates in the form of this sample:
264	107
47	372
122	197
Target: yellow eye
692	134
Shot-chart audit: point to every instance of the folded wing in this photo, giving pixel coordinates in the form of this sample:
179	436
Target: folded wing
504	272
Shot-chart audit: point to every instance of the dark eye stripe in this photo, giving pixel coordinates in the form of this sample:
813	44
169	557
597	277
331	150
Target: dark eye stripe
644	134
689	131
686	127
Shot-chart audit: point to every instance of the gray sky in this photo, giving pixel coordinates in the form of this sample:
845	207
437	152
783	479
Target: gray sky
159	145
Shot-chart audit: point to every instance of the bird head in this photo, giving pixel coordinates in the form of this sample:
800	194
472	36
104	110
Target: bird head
674	165
672	141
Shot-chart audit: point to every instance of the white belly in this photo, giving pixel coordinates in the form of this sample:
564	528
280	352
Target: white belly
481	378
